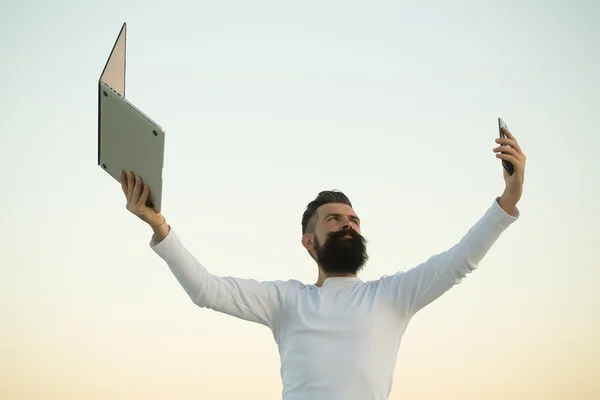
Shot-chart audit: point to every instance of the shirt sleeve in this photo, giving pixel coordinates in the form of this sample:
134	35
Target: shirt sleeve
247	299
414	289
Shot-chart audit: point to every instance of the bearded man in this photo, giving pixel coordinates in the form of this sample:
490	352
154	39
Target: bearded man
337	338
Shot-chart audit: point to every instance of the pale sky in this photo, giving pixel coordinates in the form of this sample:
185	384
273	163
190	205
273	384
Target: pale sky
265	104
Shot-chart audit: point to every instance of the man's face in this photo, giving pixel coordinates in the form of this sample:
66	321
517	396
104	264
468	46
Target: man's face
338	245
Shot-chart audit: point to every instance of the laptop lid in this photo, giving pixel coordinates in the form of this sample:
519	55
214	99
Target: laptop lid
113	74
114	70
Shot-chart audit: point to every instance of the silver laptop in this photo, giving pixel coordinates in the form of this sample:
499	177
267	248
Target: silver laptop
127	138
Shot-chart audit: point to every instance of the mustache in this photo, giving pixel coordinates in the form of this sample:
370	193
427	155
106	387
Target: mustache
343	233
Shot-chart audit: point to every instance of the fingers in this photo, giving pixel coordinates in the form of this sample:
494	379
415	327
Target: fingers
137	190
509	146
508	150
143	197
123	179
137	194
508	157
130	184
509	140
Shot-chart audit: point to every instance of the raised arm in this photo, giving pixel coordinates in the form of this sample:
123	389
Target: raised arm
414	289
247	299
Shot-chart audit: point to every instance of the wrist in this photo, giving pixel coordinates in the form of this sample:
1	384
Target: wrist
508	201
160	228
157	224
512	194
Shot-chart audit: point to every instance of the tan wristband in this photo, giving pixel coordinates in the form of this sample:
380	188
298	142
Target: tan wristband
161	224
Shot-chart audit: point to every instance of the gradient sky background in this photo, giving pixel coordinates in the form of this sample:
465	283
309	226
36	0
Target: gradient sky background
266	103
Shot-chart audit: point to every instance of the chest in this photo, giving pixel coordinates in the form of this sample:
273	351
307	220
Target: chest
347	315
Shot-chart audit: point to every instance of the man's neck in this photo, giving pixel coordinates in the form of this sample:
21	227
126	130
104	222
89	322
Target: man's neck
324	275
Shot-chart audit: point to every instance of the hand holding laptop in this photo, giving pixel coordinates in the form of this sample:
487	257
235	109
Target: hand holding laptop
136	193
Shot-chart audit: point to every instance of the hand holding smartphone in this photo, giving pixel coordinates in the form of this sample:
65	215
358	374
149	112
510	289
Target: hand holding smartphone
506	164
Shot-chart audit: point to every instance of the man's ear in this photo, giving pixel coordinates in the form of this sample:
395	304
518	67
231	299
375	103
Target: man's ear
308	242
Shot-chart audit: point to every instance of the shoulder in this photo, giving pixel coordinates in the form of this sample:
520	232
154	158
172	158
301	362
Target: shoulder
285	287
386	281
289	285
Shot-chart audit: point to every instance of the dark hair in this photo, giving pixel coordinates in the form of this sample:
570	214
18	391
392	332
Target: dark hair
324	197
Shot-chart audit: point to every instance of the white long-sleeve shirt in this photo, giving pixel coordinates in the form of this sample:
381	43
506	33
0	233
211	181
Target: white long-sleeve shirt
338	341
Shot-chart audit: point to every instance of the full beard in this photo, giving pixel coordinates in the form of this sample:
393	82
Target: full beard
344	252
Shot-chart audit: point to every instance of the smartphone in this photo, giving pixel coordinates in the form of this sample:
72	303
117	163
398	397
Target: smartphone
506	164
